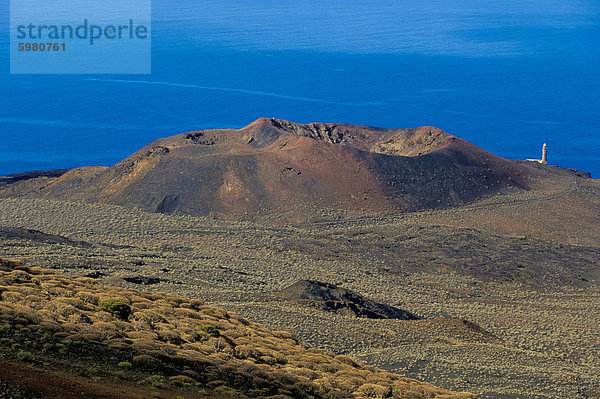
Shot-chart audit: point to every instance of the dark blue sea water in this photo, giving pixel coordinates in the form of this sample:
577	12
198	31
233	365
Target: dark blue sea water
507	76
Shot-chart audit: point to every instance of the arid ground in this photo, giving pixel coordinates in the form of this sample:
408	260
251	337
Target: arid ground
507	286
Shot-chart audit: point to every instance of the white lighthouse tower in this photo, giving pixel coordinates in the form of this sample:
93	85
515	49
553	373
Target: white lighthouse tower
544	159
545	154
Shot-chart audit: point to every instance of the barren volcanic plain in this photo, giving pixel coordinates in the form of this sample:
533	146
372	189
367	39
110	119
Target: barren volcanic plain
498	259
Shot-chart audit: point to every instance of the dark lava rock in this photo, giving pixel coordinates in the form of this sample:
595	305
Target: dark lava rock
142	280
9	179
95	274
38	236
138	263
340	300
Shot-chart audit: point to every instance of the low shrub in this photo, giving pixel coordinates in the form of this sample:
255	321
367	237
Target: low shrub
146	362
209	329
25	356
183	380
116	307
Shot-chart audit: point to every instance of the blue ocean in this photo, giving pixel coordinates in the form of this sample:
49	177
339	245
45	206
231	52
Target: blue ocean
507	76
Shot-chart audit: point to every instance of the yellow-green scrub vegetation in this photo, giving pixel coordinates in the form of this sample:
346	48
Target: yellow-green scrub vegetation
167	340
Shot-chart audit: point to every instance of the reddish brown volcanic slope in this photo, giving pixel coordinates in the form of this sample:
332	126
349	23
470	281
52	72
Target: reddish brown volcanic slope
296	172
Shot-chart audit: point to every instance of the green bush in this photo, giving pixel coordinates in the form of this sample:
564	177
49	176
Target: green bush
61	348
157	381
183	380
211	330
117	307
25	356
225	390
124	365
